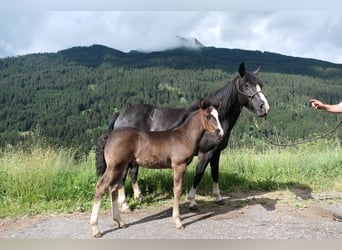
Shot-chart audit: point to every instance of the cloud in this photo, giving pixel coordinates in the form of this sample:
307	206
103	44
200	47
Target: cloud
313	34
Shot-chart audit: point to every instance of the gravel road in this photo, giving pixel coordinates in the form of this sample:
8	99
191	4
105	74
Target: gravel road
274	215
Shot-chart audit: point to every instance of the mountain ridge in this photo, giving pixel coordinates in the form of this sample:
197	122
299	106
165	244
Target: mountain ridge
203	57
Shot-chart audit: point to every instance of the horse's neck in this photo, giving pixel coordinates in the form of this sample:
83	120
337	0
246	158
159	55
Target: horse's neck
193	129
231	108
185	114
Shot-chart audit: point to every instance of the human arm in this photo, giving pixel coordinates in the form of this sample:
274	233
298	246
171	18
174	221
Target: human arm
331	108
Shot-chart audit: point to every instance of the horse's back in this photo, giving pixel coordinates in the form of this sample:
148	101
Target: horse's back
153	118
136	116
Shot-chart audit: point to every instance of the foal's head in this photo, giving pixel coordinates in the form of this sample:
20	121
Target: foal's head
210	119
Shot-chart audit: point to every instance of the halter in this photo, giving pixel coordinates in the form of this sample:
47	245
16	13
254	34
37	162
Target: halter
245	94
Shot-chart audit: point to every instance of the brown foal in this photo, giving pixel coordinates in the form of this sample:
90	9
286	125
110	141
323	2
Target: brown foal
163	149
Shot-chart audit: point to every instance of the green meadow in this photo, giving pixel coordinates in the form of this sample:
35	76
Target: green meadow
49	180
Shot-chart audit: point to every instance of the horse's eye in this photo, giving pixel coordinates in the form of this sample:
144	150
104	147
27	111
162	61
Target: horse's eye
246	84
208	117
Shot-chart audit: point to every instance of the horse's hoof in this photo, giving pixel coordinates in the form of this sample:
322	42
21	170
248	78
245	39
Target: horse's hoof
97	235
181	227
193	207
220	202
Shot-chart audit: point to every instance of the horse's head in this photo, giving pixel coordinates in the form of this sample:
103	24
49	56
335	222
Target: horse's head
210	119
250	93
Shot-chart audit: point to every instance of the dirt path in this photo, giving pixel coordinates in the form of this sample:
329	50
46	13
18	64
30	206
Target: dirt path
275	215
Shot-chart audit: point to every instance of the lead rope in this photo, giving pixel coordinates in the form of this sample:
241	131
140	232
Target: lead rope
295	143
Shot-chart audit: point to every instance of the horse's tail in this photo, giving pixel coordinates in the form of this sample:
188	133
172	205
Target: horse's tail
112	122
99	157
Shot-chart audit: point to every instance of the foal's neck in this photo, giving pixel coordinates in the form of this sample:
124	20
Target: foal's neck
193	128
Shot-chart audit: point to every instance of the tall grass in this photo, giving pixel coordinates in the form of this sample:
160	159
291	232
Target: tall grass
50	180
44	179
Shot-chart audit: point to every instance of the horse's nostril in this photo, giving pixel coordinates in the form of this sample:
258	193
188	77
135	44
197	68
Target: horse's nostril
218	132
262	106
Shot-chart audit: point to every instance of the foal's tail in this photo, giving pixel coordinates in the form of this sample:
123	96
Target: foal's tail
101	143
99	157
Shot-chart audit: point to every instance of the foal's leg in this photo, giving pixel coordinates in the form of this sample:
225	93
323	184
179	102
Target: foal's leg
214	166
122	196
101	187
133	172
111	178
115	210
178	175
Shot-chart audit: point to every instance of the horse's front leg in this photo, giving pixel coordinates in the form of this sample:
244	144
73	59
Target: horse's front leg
203	160
178	175
214	166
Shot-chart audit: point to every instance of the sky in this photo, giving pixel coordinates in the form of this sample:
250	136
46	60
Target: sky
314	32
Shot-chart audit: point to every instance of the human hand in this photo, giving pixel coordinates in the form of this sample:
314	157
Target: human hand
316	104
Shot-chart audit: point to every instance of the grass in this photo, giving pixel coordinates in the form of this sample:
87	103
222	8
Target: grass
46	180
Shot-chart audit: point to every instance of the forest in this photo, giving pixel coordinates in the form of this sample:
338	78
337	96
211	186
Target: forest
65	99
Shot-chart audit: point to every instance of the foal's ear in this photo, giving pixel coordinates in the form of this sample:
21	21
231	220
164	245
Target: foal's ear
203	104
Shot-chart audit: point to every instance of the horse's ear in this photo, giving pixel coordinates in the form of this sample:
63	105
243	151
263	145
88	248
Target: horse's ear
203	104
257	70
218	105
242	69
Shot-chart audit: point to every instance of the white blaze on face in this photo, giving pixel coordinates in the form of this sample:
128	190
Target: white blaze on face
214	113
263	98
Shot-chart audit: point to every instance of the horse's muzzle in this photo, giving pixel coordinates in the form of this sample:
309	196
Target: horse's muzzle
219	133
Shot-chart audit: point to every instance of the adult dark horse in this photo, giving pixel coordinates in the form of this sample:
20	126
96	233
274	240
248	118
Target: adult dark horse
153	149
243	91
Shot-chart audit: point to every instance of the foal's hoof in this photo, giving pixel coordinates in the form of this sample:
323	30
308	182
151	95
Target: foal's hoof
97	235
126	210
122	225
220	202
140	198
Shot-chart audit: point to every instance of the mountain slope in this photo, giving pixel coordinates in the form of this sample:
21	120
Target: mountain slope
66	98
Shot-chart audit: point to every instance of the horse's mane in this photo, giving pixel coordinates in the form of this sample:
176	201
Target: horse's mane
222	93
